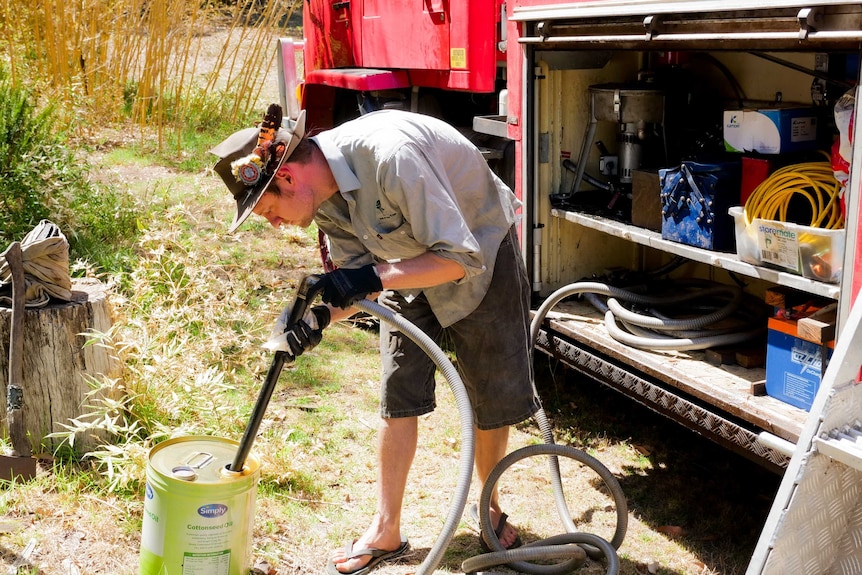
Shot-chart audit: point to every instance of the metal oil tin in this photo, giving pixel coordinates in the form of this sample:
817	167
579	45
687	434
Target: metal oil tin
198	515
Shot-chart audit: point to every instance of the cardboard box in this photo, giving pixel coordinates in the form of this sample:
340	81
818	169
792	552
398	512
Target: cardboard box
772	130
646	199
794	366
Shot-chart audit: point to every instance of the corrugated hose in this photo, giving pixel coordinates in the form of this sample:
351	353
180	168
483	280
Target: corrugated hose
572	547
666	333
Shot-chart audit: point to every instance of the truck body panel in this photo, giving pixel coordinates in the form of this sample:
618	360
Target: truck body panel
539	59
452	47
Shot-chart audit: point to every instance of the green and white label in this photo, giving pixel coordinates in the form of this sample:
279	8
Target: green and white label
214	563
778	245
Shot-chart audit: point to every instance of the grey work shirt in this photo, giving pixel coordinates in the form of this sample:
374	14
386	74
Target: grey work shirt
411	184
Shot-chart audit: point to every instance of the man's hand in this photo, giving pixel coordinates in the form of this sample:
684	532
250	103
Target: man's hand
343	287
303	336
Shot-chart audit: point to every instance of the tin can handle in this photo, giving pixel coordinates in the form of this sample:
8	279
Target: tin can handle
204	458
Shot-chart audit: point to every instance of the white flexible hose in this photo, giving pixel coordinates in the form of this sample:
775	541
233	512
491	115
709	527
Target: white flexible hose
677	324
673	343
552	548
465	414
558	547
614	310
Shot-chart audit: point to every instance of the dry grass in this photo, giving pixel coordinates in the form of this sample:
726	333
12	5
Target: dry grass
150	61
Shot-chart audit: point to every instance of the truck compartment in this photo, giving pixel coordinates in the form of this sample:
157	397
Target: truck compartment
616	96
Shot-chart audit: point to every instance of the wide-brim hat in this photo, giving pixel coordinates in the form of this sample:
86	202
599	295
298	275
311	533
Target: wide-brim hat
250	158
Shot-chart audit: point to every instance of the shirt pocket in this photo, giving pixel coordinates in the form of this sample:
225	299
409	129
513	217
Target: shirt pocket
394	244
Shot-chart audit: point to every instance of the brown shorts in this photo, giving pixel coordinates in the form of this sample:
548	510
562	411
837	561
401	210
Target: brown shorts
491	346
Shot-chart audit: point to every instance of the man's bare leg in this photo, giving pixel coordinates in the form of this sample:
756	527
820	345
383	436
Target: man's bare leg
396	446
491	446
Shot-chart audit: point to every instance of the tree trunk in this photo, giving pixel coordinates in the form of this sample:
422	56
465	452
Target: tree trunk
60	370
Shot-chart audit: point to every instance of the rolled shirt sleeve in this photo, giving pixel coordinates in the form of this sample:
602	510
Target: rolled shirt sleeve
424	191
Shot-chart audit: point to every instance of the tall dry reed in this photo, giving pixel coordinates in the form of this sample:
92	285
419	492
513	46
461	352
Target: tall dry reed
104	60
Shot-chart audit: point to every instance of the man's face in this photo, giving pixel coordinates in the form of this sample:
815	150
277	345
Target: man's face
294	205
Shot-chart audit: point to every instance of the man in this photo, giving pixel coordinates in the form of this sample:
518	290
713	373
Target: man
409	205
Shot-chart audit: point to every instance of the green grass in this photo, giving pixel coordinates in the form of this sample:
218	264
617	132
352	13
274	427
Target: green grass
42	178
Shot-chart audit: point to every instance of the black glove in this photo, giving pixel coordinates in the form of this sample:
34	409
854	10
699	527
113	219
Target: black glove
303	336
343	287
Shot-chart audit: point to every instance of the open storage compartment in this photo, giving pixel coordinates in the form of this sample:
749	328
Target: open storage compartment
615	92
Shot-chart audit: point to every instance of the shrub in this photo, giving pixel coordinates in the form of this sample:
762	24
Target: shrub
40	178
26	157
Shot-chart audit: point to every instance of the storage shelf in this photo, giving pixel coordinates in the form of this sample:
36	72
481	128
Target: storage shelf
726	388
729	262
491	125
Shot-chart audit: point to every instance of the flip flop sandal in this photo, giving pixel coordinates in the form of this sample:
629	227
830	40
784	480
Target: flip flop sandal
377	556
501	524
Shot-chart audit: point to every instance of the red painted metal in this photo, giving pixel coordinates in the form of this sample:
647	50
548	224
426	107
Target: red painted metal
421	41
329	35
439	44
856	284
362	79
514	84
514	72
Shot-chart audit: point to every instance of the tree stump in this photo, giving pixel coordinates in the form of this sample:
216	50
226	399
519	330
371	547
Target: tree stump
59	368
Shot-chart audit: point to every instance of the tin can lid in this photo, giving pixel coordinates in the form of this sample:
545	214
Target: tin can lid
199	459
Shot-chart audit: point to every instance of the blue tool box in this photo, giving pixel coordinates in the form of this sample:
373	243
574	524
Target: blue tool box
695	198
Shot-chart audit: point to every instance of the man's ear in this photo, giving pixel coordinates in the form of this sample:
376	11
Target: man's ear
284	173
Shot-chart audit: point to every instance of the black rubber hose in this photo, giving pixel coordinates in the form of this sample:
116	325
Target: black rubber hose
308	289
573	167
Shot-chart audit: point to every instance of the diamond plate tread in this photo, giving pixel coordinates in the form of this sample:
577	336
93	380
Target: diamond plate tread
821	528
823	524
815	524
712	425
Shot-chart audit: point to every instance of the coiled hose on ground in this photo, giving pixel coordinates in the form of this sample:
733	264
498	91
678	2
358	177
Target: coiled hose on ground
573	546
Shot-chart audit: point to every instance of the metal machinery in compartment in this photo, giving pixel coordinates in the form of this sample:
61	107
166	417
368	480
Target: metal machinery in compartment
774	48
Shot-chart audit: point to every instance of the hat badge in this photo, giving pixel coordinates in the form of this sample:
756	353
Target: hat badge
248	170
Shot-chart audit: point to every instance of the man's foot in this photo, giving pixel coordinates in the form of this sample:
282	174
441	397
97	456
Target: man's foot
358	558
507	534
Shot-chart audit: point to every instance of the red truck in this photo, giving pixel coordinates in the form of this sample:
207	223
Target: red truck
608	118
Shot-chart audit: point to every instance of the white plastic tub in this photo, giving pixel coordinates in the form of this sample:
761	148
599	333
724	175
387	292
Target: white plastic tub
814	253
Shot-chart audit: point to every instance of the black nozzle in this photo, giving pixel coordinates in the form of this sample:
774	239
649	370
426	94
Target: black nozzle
309	288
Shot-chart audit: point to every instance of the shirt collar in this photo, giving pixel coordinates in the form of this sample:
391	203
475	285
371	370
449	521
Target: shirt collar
344	176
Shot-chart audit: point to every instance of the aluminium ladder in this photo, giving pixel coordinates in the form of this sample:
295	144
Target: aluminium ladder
815	523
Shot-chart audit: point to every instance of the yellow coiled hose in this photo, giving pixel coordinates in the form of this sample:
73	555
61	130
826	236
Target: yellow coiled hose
814	181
